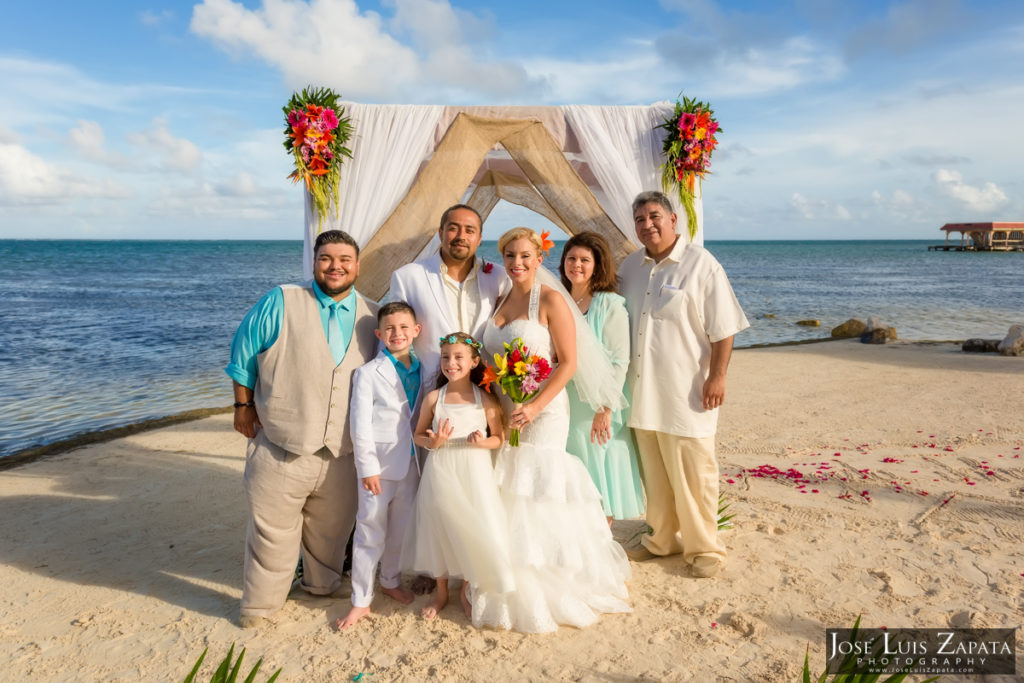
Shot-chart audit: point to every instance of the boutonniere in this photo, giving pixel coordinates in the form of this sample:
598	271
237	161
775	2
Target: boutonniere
488	267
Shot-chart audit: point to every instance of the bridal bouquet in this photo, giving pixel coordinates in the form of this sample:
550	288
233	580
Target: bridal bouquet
518	374
315	134
688	147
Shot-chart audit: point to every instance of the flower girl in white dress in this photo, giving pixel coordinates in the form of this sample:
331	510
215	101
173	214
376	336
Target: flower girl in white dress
459	529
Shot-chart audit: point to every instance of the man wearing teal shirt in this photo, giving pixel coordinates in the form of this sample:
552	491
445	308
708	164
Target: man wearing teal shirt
292	360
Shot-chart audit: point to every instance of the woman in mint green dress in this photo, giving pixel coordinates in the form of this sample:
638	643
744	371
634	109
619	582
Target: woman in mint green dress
602	440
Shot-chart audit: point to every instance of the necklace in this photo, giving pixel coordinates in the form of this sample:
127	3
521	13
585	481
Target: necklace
579	302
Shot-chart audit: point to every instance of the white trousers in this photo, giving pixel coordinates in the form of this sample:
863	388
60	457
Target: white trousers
381	522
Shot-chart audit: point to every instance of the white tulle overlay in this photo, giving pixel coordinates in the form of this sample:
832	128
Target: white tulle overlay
568	569
459	528
596	381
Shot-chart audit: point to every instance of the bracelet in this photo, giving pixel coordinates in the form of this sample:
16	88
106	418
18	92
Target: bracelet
247	404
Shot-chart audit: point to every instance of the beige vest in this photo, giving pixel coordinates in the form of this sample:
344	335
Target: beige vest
301	396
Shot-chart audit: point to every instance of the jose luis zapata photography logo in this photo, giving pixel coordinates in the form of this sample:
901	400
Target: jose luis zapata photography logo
921	650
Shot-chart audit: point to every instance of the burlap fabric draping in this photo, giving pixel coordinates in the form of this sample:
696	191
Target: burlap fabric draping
495	186
452	168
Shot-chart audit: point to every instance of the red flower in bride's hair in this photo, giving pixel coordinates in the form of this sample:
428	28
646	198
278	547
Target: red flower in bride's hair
488	267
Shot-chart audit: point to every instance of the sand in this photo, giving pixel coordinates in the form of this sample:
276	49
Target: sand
883	481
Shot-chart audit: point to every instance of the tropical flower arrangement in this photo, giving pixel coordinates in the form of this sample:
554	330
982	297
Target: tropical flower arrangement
688	147
518	374
315	134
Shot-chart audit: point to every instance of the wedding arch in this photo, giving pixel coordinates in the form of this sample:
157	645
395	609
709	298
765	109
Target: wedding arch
578	166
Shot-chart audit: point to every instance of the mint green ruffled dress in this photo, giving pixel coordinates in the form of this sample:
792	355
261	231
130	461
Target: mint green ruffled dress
613	466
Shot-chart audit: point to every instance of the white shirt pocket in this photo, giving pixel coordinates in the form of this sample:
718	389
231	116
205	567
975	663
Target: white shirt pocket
671	304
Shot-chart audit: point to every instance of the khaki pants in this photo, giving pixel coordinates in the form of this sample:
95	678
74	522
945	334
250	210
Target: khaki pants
295	501
681	479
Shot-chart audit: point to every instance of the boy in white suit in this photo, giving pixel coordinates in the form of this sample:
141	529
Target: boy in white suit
384	393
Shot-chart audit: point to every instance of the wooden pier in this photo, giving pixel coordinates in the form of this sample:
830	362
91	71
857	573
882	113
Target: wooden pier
997	236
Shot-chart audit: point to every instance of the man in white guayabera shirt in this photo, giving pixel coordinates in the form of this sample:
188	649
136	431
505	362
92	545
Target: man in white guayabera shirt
292	361
683	315
451	290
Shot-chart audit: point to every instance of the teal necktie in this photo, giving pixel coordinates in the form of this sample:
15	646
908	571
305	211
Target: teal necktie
334	338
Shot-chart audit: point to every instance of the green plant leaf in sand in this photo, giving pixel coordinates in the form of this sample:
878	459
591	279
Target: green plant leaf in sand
724	520
227	671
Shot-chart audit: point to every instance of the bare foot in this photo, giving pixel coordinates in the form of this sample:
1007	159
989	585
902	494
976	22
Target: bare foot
431	610
400	594
609	521
464	598
422	585
354	615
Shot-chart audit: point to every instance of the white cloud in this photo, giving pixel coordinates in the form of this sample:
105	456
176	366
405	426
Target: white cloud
986	198
756	71
906	25
818	209
175	154
27	179
240	185
89	140
332	42
8	136
151	18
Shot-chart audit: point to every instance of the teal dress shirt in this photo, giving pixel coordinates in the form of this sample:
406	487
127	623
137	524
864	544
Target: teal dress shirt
262	324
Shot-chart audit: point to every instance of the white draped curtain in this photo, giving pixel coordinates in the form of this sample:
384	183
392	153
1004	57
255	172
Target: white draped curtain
619	146
389	144
623	149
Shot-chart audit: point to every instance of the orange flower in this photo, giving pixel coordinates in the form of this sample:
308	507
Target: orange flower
546	244
489	376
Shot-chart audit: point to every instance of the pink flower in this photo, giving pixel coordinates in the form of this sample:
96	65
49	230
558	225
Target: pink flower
529	385
328	119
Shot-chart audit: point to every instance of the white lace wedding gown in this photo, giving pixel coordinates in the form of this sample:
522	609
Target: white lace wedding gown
568	568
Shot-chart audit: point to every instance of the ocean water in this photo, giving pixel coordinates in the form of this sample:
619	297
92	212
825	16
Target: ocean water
99	334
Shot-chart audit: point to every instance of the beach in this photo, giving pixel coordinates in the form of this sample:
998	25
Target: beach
877	481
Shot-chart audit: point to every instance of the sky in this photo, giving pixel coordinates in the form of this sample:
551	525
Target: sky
841	119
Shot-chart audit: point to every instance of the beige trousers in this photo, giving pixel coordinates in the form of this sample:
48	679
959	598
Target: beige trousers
680	476
295	501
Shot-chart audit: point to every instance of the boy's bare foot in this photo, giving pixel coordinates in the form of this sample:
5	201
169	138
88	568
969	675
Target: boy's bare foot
422	585
354	615
400	594
431	610
464	599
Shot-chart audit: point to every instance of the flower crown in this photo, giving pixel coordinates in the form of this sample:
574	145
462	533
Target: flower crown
467	340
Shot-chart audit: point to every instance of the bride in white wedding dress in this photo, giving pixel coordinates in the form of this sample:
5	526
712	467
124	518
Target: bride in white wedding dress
568	568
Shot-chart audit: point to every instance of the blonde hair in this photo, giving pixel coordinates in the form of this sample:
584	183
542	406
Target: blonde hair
518	234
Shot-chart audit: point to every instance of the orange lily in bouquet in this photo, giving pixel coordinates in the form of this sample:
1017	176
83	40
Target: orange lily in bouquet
315	135
519	375
687	148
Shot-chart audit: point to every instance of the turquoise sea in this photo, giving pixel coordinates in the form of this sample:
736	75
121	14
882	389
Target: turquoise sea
99	334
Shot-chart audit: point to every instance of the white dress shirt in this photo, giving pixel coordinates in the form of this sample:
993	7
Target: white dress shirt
677	308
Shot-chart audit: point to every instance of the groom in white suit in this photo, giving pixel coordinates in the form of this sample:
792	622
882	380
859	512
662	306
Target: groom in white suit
451	290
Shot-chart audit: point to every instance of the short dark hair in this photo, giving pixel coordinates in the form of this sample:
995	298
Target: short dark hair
334	237
467	207
603	279
393	307
653	197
